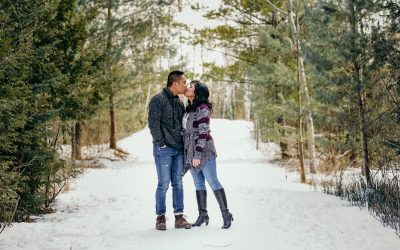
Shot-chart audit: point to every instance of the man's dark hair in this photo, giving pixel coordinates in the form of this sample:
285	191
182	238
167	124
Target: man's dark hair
173	77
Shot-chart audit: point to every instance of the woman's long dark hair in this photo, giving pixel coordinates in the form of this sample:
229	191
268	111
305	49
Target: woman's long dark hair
202	94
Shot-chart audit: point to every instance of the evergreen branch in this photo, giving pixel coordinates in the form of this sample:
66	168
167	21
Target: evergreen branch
251	15
13	214
276	7
240	81
226	54
396	102
16	14
56	194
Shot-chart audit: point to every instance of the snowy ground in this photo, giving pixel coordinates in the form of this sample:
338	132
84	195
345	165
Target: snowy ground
113	207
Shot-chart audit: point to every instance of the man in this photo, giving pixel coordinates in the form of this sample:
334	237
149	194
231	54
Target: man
165	123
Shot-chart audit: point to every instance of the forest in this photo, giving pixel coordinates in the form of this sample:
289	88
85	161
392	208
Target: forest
321	79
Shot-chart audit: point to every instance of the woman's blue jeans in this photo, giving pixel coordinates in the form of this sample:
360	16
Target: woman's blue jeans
207	172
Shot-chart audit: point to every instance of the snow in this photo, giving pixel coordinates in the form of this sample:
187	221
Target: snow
93	154
113	207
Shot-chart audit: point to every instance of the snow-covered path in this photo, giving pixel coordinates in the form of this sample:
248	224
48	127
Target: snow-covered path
113	207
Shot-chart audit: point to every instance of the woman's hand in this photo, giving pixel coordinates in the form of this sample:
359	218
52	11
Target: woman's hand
195	163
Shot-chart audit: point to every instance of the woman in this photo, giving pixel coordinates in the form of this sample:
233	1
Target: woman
200	154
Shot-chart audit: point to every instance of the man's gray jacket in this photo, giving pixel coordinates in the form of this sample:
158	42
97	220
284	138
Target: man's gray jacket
165	119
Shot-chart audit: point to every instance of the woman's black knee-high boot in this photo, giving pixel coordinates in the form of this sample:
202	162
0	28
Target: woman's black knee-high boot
223	205
201	196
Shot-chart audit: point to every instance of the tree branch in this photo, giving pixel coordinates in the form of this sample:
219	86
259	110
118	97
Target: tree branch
276	7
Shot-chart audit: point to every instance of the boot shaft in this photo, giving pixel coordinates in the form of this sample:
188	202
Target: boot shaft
201	196
221	198
223	205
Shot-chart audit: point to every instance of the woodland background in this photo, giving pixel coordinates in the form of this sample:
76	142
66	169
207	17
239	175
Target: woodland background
319	78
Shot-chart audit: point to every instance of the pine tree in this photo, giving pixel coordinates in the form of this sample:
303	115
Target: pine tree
345	41
129	26
41	84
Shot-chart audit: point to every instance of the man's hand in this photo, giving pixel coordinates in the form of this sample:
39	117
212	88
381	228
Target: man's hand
195	163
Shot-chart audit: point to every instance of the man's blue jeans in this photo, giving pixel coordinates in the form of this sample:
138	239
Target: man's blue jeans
207	172
169	163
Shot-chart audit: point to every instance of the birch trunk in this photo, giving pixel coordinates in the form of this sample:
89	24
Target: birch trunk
363	130
311	135
147	101
247	101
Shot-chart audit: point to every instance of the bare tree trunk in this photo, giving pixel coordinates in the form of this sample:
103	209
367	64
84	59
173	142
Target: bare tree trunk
224	106
228	101
76	141
301	142
73	144
98	133
202	59
113	143
147	101
283	143
358	76
364	137
301	152
247	101
257	131
111	97
235	109
311	135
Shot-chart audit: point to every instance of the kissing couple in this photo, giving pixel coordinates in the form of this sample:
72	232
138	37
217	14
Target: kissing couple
182	142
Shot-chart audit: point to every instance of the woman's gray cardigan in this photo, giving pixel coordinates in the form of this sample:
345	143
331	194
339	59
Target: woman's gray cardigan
198	142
